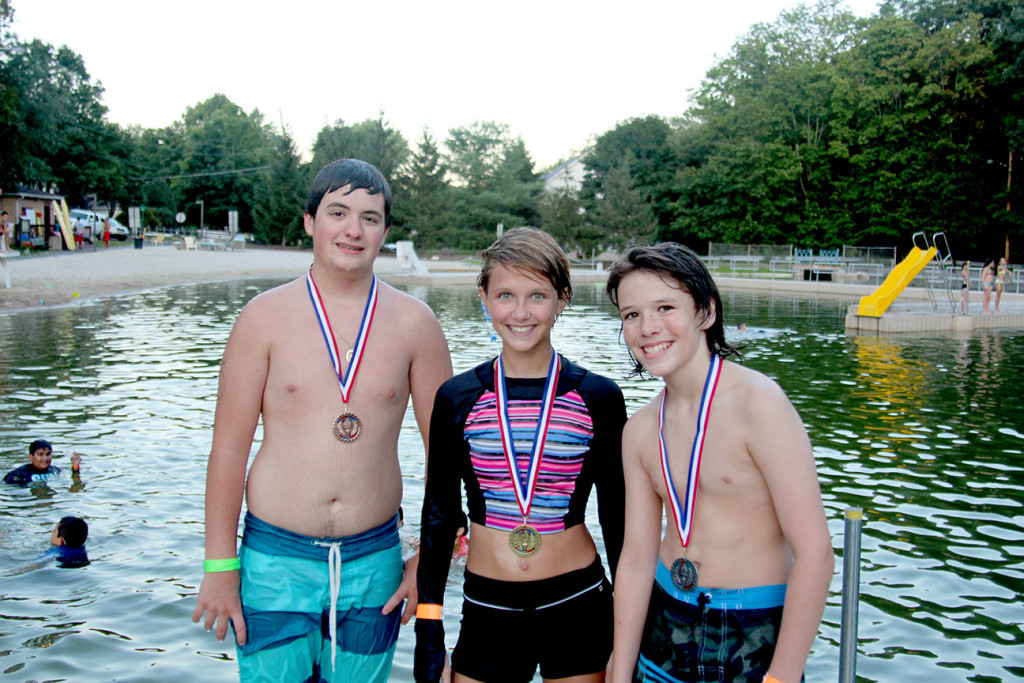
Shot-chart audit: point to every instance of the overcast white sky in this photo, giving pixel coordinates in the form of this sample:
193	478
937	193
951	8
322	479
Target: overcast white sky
557	72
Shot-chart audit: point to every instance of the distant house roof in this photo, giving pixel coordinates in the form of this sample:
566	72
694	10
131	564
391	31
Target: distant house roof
23	192
567	175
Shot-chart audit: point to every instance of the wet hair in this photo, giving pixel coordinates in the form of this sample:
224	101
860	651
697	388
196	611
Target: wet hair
357	175
679	265
37	444
528	250
73	530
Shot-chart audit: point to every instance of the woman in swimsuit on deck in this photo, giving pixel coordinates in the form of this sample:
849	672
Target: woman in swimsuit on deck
1002	275
988	276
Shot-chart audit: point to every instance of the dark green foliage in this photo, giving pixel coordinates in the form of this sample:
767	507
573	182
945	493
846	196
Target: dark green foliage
642	144
818	129
821	129
423	202
279	198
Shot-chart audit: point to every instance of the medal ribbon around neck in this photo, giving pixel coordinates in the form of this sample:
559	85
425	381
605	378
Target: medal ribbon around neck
524	489
346	376
682	511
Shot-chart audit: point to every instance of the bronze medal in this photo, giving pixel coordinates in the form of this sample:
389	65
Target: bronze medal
684	574
347	427
524	541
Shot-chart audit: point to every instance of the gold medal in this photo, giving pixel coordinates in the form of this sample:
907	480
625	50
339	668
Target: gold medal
524	541
347	427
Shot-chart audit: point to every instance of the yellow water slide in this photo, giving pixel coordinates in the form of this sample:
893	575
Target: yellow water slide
875	304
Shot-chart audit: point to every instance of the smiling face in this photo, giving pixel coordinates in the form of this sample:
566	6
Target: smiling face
348	229
41	458
523	307
660	322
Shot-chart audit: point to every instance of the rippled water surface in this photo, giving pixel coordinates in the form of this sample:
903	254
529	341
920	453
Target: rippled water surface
924	433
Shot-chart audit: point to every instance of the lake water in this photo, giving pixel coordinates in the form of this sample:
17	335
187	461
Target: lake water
924	433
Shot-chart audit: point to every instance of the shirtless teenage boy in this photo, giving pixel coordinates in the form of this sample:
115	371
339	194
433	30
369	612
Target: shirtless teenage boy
324	488
741	576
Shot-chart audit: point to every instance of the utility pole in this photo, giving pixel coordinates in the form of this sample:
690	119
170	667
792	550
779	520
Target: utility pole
1009	178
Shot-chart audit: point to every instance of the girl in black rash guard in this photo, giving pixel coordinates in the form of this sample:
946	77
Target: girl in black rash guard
529	434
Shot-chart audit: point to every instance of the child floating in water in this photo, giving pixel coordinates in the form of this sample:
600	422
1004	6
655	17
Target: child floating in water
68	541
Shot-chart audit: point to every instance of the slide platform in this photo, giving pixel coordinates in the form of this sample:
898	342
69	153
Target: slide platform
875	304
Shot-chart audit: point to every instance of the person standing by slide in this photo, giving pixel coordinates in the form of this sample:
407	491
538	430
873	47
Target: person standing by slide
965	286
988	277
1002	275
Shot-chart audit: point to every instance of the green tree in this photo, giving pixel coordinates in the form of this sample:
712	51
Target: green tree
53	128
225	149
279	196
495	183
910	129
422	210
475	153
643	144
156	156
372	140
623	214
755	149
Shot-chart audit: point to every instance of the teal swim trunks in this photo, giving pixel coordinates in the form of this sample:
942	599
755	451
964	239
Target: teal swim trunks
291	587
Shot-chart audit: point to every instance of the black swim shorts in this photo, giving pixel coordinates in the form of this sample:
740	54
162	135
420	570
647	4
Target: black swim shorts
564	624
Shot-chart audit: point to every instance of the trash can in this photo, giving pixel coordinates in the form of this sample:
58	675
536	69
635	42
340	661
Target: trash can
138	243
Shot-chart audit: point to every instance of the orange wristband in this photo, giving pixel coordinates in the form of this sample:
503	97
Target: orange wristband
428	611
770	679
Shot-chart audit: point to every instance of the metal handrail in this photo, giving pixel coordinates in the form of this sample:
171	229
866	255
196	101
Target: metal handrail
923	237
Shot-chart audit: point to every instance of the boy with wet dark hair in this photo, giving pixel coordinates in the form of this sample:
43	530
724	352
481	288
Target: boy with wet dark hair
40	466
315	592
71	532
742	572
68	541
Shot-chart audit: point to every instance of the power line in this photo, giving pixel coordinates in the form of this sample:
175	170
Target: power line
200	175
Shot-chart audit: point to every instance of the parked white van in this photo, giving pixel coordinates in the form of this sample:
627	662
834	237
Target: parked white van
94	224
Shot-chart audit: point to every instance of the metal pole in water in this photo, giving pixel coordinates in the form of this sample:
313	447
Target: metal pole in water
851	596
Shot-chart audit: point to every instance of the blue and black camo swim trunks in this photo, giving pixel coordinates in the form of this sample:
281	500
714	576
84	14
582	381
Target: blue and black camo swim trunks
708	634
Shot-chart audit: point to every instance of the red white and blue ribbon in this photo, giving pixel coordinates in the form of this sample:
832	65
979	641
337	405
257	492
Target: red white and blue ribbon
524	488
682	510
346	376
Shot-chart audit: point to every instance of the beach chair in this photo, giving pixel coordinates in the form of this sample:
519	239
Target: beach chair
190	243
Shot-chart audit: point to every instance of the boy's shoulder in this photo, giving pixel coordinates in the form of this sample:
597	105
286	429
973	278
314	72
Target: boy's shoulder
747	387
277	301
642	420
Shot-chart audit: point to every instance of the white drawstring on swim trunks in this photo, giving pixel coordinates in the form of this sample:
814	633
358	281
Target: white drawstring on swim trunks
334	578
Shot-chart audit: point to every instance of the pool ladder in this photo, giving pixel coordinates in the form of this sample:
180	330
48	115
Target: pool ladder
941	275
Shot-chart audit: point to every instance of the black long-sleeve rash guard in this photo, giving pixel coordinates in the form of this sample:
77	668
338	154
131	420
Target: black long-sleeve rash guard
583	449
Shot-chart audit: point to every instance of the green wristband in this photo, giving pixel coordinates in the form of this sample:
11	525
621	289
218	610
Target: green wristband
228	565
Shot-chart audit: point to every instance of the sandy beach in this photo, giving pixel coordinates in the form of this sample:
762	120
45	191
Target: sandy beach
40	280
